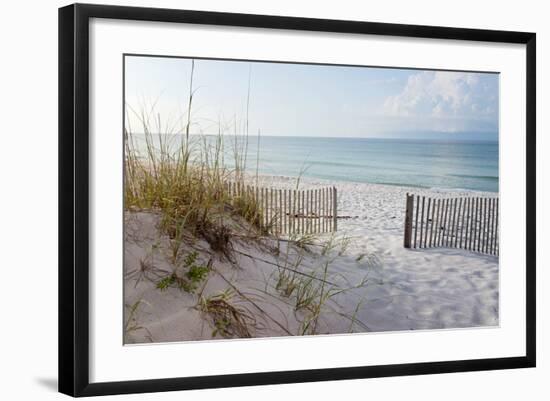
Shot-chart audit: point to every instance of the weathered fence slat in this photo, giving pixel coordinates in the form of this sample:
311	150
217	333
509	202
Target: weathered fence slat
408	221
309	211
469	223
496	231
335	208
473	228
327	213
463	208
493	229
487	211
453	233
472	223
416	220
449	222
483	215
445	232
327	210
493	204
421	221
426	231
490	226
439	221
323	211
432	225
442	224
483	224
489	233
479	225
318	208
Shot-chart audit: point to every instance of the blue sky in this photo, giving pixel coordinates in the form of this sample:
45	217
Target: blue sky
311	100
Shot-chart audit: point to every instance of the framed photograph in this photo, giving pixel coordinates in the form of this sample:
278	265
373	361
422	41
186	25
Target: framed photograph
251	199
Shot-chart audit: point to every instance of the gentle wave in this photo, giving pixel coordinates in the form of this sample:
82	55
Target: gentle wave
395	184
481	177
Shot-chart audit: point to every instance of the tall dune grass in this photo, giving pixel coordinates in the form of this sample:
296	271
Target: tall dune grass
183	177
187	186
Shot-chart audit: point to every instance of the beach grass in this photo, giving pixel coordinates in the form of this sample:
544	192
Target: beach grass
186	181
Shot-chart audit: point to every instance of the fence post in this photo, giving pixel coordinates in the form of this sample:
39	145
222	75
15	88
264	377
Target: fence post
437	234
453	227
325	210
335	207
427	229
497	237
408	220
432	225
422	222
493	208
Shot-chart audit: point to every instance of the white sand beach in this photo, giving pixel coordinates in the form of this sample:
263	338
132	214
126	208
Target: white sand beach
412	289
375	283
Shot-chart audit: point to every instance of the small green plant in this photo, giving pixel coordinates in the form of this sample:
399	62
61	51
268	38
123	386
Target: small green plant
190	280
190	258
195	276
166	282
197	273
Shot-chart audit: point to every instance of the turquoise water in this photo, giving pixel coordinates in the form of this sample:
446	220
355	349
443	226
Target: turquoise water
452	164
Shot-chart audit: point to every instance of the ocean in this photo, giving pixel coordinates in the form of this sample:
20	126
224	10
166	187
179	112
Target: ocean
438	164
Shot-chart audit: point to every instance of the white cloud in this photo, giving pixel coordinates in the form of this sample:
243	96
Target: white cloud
447	101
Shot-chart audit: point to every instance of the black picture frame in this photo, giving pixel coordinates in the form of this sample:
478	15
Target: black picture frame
74	198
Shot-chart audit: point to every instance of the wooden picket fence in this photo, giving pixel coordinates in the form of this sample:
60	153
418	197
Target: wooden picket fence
291	211
470	223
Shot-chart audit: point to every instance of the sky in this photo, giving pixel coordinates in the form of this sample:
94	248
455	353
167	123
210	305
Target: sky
309	100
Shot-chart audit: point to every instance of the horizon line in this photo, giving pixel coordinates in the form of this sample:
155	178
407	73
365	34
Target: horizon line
340	137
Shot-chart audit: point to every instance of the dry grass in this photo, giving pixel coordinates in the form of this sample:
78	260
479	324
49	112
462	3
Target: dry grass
131	324
228	318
